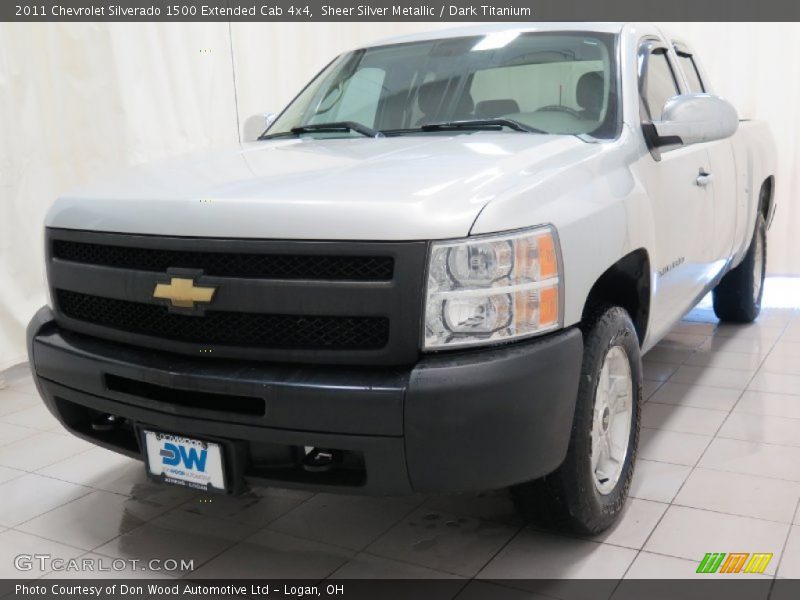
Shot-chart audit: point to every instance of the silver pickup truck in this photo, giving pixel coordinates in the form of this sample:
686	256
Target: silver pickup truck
436	270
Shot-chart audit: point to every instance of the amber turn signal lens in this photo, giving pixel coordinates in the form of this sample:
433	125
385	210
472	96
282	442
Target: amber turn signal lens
548	262
548	306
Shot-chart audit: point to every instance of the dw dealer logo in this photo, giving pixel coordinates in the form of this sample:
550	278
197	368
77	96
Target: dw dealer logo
173	454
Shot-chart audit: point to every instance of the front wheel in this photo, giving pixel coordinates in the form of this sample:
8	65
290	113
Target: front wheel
588	491
737	297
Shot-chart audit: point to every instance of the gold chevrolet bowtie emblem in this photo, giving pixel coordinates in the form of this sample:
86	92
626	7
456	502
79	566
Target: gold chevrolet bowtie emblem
183	293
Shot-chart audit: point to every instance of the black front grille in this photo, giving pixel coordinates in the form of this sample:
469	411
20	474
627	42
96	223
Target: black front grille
230	264
228	328
324	302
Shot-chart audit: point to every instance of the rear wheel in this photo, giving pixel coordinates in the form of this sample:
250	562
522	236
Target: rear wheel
588	491
737	297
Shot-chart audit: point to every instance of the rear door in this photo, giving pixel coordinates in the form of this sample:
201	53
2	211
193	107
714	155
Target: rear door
683	210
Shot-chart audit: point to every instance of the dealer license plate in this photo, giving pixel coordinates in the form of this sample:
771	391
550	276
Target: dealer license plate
185	461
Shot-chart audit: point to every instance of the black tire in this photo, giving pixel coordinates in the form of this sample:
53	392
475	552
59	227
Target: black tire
737	297
569	498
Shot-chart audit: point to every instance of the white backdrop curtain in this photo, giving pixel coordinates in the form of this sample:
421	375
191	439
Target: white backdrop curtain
80	101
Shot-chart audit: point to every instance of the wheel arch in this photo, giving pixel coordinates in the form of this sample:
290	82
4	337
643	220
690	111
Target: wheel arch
626	283
766	199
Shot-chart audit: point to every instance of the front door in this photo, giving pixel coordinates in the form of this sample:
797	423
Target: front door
682	202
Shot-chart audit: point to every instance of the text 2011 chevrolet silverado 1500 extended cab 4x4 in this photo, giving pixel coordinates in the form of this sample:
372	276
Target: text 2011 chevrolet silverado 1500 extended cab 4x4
436	270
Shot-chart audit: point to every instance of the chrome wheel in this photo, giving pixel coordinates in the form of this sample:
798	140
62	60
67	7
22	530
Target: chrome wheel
758	266
611	422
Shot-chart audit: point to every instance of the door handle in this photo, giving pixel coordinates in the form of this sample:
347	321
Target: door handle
703	179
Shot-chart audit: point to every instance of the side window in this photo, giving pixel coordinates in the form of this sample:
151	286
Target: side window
692	75
660	84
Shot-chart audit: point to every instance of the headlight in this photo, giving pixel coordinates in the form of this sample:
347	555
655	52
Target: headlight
492	289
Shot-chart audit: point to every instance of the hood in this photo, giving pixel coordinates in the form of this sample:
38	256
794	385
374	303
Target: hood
429	186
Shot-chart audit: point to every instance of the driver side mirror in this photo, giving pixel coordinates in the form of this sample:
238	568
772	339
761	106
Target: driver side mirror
255	125
693	119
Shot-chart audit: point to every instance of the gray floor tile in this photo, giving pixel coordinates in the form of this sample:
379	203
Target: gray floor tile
105	567
739	494
15	543
657	481
790	562
443	542
657	371
368	566
17	373
772	316
726	360
177	535
778	362
753	458
671	446
349	521
690	533
792	331
93	466
696	396
649	388
7	474
671	355
727	344
681	419
683	341
92	520
702	327
657	566
761	428
256	507
776	383
538	555
39	450
763	403
736	379
13	400
786	349
102	469
30	495
637	521
750	331
494	505
13	433
35	417
273	555
26	386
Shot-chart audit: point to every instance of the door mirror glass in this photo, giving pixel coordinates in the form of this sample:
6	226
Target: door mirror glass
255	125
695	118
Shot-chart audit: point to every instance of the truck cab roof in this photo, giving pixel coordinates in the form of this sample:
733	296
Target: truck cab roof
473	30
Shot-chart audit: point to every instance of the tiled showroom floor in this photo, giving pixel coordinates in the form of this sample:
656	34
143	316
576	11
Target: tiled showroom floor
718	471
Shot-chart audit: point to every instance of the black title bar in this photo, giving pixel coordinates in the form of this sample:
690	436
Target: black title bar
399	10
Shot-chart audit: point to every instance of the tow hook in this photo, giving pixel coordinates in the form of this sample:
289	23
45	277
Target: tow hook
106	422
320	459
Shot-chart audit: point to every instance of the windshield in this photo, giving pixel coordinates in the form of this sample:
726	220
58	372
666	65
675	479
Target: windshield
557	83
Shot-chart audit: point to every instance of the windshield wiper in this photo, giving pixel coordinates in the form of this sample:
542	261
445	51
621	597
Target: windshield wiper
338	126
481	124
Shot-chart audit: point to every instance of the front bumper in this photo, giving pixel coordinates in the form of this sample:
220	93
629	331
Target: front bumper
472	420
